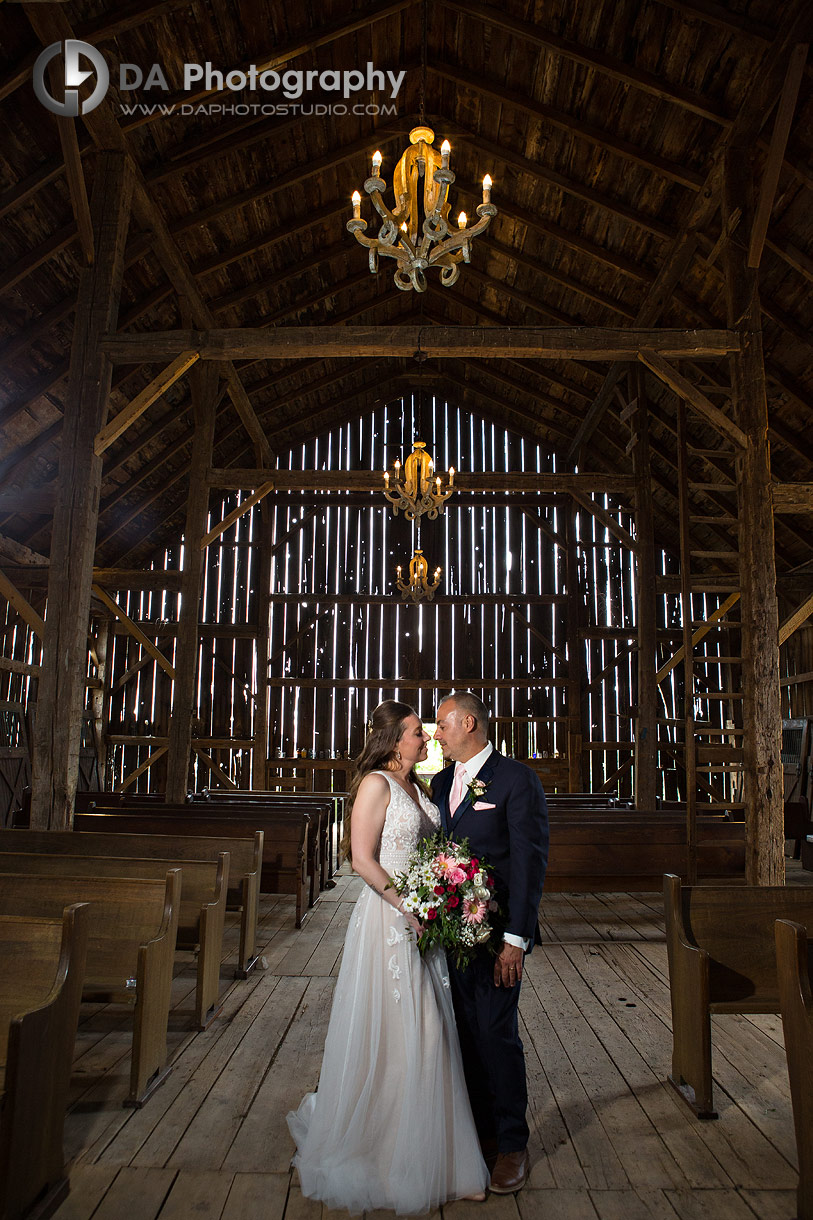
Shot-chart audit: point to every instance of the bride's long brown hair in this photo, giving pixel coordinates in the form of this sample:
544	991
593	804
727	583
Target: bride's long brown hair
379	754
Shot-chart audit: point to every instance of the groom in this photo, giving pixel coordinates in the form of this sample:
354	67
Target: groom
499	806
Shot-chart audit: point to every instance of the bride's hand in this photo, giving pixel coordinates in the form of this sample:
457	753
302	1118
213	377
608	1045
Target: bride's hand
415	924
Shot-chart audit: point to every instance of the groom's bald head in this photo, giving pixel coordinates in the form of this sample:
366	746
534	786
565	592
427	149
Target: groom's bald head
462	725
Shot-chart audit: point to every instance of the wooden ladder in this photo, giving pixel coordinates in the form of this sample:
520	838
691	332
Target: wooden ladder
713	727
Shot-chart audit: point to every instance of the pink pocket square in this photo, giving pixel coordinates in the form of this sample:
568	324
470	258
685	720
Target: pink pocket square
483	805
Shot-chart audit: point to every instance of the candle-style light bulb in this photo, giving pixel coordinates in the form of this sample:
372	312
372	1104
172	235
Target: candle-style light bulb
462	220
445	149
397	464
387	477
451	476
376	163
356	197
487	189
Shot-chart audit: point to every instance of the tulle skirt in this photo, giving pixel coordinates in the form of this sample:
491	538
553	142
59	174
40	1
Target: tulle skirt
391	1124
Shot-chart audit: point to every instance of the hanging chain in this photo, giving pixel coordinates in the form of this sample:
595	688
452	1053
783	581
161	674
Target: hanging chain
422	101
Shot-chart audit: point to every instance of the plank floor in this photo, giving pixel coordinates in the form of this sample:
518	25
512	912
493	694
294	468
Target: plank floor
610	1139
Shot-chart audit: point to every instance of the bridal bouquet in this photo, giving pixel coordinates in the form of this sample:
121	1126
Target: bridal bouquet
452	893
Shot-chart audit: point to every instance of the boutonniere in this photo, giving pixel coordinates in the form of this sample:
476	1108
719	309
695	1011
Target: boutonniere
477	790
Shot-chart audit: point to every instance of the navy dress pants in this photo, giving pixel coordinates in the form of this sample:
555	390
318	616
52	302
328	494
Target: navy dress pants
493	1058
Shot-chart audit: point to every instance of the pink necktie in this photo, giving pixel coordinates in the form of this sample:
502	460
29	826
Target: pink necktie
456	794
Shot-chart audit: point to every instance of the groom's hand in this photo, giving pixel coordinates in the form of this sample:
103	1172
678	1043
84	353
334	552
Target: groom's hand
508	966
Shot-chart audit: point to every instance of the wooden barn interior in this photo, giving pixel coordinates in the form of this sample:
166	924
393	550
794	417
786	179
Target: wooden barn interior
205	376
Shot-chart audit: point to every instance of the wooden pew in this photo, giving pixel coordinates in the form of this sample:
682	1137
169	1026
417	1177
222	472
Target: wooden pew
133	926
42	965
285	842
628	849
245	862
722	958
794	962
201	912
324	810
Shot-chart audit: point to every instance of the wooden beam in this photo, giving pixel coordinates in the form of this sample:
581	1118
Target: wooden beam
61	697
151	758
457	342
235	479
114	428
204	383
607	520
685	390
795	620
215	768
761	705
72	157
23	607
645	775
720	613
776	152
237	513
134	630
792	497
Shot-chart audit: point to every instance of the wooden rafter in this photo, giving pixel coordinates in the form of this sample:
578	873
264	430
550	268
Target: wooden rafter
589	57
679	256
776	152
576	127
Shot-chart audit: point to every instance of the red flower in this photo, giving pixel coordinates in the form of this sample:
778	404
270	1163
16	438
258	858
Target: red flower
438	890
475	863
451	889
454	901
471	873
431	913
489	881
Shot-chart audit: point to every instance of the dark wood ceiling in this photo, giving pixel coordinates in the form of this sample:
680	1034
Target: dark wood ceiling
600	123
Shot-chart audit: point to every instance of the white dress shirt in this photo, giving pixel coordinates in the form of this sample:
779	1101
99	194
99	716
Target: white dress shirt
471	768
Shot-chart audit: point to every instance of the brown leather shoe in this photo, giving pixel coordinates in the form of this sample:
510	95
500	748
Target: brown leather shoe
510	1172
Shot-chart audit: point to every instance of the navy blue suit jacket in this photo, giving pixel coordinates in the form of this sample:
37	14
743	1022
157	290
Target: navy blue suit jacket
512	837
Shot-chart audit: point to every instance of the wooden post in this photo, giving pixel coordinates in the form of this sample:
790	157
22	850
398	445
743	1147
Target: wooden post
61	700
204	387
576	705
690	743
100	696
646	732
762	718
259	752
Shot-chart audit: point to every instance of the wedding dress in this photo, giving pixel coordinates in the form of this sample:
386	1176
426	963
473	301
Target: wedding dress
391	1124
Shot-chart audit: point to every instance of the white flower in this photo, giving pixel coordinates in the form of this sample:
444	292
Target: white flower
483	933
478	878
482	893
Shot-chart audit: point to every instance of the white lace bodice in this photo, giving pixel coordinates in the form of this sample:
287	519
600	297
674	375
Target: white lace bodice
404	826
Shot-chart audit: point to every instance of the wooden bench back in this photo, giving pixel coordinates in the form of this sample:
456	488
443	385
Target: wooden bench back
245	854
124	914
202	881
30	951
735	926
282	830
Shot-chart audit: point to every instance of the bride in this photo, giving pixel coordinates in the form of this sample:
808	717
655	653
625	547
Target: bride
391	1124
